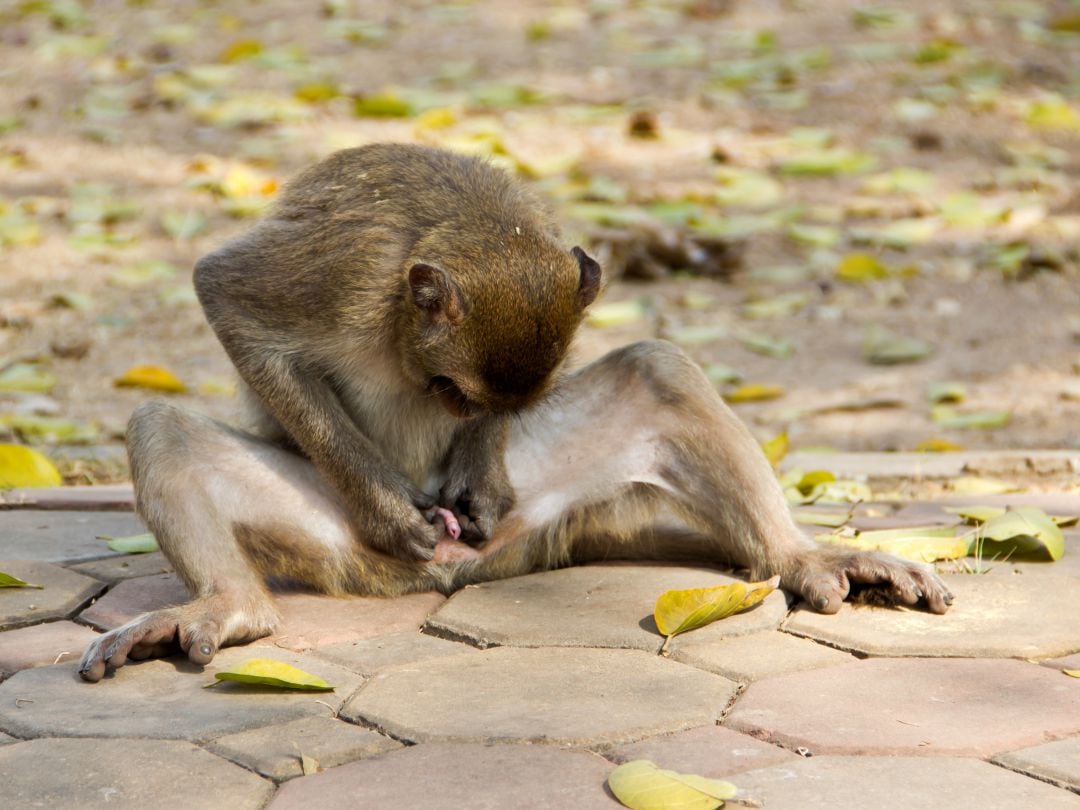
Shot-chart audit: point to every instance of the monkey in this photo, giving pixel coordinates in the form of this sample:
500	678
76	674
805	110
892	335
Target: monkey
402	319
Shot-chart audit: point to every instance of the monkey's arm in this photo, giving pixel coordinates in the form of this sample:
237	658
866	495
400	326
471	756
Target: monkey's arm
384	504
477	486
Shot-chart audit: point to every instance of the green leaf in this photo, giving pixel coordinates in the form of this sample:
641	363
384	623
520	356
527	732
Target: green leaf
268	672
382	105
884	347
768	345
679	611
719	374
696	335
826	162
616	313
779	306
640	785
976	514
135	544
1052	112
949	417
946	392
22	467
49	429
27	377
1025	532
183	224
9	581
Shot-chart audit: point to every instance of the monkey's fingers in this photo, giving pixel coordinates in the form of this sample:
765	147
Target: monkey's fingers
148	632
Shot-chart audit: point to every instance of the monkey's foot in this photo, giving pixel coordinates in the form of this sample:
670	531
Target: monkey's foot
198	628
824	577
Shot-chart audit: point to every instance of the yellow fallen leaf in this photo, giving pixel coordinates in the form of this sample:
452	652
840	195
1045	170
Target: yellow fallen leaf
681	610
26	377
858	267
1072	673
156	378
828	519
976	514
776	448
754	392
616	313
976	485
937	446
22	467
640	785
268	672
919	543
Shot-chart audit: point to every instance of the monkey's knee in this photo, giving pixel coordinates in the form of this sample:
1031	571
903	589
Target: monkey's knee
669	374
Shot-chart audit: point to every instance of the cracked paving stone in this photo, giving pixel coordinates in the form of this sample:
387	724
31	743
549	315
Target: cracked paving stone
63	536
565	696
368	656
312	621
1055	762
132	597
753	657
448	776
897	783
90	773
163	699
710	751
63	593
127	566
609	605
275	751
927	706
991	617
42	645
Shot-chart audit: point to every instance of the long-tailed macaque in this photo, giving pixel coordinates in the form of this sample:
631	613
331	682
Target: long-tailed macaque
401	319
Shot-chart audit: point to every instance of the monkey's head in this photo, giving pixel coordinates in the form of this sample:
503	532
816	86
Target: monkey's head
490	320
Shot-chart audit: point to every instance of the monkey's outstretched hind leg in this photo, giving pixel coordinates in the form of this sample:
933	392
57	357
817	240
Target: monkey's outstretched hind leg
227	509
682	448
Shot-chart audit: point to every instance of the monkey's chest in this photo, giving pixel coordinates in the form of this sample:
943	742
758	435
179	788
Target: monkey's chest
413	432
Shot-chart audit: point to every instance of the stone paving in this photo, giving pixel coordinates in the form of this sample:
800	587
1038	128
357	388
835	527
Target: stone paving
526	693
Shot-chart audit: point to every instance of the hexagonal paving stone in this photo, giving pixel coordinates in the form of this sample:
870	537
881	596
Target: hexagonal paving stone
275	751
163	699
132	597
63	593
311	620
88	774
1068	662
710	751
1055	762
42	645
1017	618
63	537
753	657
445	776
554	695
897	783
125	566
608	605
928	706
368	656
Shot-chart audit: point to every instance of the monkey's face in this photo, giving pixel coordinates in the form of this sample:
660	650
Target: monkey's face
492	342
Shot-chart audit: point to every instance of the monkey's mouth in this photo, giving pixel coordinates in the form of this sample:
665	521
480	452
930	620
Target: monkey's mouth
452	397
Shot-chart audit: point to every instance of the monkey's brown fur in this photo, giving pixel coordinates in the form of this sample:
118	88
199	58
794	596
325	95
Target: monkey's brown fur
401	318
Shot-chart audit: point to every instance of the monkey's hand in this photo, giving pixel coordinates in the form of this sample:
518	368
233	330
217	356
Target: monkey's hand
397	523
478	501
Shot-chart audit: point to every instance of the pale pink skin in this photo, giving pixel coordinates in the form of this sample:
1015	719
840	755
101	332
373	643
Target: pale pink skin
450	548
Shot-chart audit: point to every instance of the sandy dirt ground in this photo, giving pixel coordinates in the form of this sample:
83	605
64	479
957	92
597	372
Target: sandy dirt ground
935	146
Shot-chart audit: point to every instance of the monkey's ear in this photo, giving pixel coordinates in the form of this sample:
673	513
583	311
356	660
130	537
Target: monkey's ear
589	286
436	293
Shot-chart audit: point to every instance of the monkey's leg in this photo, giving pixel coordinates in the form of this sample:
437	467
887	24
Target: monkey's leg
229	509
641	436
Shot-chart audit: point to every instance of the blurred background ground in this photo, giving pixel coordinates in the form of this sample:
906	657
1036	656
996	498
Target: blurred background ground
832	205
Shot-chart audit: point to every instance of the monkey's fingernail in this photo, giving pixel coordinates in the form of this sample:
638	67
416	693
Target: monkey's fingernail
206	649
821	602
